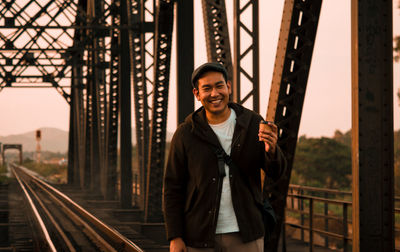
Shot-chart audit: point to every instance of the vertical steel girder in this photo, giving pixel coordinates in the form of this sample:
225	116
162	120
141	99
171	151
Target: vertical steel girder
162	53
372	126
113	108
246	57
88	129
96	84
101	103
76	148
125	109
78	115
137	42
289	82
184	58
72	161
217	34
76	145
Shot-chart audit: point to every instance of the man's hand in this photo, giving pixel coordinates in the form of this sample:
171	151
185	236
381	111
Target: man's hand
269	137
177	245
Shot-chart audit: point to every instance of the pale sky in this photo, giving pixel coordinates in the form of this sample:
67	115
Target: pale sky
327	105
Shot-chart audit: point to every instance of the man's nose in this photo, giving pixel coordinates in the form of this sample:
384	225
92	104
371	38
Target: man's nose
214	92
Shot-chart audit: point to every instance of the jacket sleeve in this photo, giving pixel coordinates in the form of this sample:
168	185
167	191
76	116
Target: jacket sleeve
175	178
275	165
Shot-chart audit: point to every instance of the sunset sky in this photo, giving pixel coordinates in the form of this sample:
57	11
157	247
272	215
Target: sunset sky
327	104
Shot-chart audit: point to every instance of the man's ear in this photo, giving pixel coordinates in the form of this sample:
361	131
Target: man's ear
196	93
229	84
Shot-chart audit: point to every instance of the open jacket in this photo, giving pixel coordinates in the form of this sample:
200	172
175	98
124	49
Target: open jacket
192	185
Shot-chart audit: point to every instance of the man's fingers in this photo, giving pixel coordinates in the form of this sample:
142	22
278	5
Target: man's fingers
274	127
267	135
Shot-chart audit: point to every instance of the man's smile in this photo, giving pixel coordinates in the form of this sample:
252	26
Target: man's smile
216	102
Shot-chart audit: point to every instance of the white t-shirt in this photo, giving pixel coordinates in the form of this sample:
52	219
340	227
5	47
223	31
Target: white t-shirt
227	222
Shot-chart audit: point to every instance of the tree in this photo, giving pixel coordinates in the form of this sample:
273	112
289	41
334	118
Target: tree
322	162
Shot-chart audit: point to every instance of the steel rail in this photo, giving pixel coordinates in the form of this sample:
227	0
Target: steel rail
299	193
324	190
43	228
316	189
316	230
304	212
52	219
87	229
63	200
331	201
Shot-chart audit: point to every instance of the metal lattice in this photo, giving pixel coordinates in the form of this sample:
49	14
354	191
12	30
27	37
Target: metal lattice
139	44
34	42
163	38
246	57
217	34
113	106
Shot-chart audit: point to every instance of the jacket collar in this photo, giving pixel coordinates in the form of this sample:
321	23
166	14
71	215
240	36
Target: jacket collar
201	128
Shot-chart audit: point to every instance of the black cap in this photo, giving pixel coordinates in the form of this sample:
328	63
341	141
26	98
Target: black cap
208	67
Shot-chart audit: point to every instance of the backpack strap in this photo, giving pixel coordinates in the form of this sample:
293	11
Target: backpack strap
221	160
268	214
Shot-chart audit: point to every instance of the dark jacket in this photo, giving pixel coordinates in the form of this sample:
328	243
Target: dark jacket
192	185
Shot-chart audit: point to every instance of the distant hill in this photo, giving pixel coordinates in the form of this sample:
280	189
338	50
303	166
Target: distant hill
53	139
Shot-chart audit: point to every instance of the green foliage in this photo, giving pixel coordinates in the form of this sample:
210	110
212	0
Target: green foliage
3	168
54	172
326	162
45	155
323	162
3	178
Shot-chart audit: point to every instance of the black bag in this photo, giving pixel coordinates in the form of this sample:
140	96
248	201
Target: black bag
267	212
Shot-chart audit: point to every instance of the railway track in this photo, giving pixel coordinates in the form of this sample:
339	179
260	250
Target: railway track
63	225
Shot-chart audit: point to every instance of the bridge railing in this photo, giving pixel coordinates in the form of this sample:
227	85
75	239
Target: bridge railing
323	217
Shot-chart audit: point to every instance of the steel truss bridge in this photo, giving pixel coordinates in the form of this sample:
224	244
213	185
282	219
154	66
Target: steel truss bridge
96	53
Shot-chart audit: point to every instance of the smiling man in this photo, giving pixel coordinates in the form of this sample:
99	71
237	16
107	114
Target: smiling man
212	184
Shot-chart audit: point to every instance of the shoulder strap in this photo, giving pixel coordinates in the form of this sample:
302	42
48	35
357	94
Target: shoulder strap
223	159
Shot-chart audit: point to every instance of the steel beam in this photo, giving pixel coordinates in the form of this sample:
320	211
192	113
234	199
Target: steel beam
217	34
289	82
76	126
101	100
88	136
184	58
77	102
372	126
93	92
71	171
246	67
113	109
162	53
140	61
125	110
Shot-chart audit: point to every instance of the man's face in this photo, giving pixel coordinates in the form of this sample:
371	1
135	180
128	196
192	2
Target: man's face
213	92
